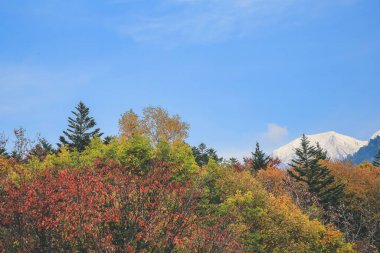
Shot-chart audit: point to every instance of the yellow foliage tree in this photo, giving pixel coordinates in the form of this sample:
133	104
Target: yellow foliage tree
129	125
267	223
11	170
156	123
360	212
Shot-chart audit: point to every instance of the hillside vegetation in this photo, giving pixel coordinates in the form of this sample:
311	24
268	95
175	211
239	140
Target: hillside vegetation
147	190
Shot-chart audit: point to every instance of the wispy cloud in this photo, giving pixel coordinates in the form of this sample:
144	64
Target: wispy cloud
275	133
22	86
273	136
202	21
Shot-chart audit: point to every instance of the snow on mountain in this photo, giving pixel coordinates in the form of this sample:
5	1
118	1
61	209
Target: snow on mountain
367	152
338	146
375	135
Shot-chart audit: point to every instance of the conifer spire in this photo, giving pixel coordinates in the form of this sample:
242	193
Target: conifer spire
79	133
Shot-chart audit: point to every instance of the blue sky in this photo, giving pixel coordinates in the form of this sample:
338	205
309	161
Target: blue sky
236	70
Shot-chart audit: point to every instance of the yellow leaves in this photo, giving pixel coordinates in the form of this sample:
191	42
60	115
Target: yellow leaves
130	125
288	228
156	123
182	154
64	159
332	240
330	235
12	171
278	223
238	199
273	180
178	153
362	183
230	181
213	168
243	206
134	153
162	127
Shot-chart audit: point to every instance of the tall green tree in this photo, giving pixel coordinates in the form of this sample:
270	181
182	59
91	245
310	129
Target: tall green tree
259	159
306	167
42	149
80	130
376	162
202	155
321	153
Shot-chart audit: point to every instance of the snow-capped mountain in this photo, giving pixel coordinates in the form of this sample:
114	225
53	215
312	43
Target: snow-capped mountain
368	152
375	135
338	146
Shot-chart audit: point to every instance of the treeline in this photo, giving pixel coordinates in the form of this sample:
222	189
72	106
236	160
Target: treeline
147	190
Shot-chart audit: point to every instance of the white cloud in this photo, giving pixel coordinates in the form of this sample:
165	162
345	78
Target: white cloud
203	21
23	87
275	133
243	146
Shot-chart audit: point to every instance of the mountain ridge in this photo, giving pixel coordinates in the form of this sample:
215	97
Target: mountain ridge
338	146
367	152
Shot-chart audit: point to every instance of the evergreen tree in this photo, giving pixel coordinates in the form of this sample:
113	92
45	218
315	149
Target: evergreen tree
306	168
233	161
202	155
107	140
321	154
259	159
376	162
79	133
42	149
3	152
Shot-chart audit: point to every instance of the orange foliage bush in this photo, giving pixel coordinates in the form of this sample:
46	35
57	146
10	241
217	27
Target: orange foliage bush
273	180
360	213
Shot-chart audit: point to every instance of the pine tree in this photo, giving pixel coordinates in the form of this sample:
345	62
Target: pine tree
322	154
306	168
376	162
259	159
79	134
42	149
3	152
107	140
202	155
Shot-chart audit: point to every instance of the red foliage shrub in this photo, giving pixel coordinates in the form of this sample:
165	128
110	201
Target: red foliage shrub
103	208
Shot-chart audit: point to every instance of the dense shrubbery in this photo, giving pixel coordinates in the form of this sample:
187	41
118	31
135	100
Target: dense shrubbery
104	208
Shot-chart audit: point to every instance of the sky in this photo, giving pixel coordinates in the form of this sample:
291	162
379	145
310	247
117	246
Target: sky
238	71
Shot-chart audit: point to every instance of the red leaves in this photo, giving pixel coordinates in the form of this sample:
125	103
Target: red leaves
139	236
67	206
98	208
144	190
103	208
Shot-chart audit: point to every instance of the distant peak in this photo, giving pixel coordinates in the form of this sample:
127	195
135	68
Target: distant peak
328	134
338	146
375	135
